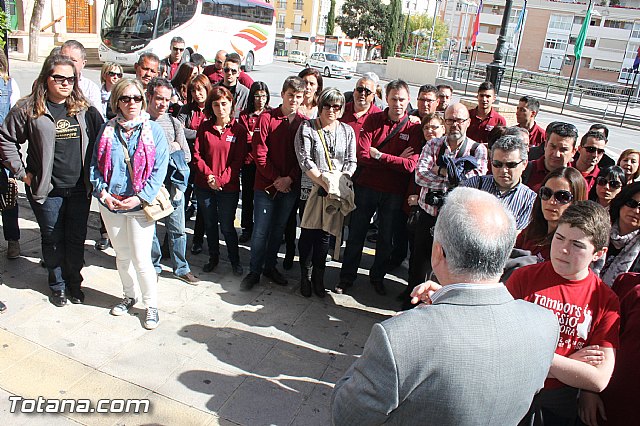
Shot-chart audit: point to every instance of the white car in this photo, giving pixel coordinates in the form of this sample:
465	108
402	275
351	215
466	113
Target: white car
331	64
297	57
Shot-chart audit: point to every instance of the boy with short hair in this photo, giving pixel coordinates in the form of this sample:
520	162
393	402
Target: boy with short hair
587	310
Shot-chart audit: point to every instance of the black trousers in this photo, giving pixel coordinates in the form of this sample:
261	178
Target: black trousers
247	178
313	247
420	259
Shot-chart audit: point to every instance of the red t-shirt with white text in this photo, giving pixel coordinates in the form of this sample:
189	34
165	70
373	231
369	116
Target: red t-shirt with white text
588	310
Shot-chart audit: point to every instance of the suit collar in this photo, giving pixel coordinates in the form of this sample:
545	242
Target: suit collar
462	294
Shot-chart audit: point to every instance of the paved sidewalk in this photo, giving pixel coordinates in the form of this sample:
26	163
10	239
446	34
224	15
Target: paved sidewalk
219	356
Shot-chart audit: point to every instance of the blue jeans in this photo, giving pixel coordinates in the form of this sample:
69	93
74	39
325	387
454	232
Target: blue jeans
62	219
219	207
177	238
270	217
367	202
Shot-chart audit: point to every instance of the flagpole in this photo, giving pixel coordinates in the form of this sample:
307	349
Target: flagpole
515	60
564	100
635	74
577	50
473	49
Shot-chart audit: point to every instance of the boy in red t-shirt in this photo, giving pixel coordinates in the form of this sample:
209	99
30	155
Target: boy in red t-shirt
587	311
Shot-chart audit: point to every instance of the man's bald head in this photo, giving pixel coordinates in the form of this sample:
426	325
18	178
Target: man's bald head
220	57
456	122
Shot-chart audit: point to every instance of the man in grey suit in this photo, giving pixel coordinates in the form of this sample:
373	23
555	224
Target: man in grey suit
472	355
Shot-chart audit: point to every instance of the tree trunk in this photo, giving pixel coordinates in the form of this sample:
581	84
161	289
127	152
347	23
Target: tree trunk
34	29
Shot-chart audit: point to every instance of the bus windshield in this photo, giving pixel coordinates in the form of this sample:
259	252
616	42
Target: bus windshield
129	18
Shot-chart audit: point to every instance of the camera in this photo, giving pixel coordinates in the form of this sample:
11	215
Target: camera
434	198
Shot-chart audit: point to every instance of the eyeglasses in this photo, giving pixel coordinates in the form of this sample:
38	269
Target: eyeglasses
561	197
614	184
632	204
429	101
231	70
335	107
127	99
178	49
593	149
509	164
362	89
114	74
60	79
432	127
450	121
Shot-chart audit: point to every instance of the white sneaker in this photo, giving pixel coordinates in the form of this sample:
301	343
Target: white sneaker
152	319
123	307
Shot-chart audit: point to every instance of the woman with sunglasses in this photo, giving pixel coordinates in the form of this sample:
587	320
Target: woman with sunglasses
257	103
110	74
61	128
623	254
218	155
128	168
559	189
629	160
609	182
326	149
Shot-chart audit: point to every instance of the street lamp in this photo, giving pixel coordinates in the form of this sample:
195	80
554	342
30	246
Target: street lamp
433	27
495	70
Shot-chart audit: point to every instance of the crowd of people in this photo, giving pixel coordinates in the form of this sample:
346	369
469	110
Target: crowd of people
566	224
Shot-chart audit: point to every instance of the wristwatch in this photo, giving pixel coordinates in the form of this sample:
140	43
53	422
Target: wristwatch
378	155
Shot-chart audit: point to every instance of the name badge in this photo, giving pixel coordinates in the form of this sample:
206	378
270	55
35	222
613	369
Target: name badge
231	139
489	128
404	136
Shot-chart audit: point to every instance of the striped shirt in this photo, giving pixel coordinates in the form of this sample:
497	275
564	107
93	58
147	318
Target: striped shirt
174	131
518	200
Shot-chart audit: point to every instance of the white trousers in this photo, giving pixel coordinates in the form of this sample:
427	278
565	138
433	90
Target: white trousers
131	236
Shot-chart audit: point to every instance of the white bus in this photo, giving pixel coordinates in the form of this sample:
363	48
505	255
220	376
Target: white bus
131	27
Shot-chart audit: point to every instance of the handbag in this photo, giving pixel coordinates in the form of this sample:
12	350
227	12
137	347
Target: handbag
8	191
161	206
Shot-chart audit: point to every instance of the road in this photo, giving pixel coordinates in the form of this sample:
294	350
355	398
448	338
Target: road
619	138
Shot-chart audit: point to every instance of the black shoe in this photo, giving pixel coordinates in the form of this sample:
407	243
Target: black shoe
76	296
378	286
287	263
305	281
196	248
3	307
102	244
275	276
245	237
58	298
211	265
342	287
237	269
317	278
249	281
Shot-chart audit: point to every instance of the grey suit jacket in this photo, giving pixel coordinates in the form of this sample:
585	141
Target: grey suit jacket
474	357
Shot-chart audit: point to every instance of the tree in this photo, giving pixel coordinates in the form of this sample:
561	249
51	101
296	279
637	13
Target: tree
34	29
420	43
364	19
331	18
392	34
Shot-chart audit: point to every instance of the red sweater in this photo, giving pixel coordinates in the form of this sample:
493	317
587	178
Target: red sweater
220	155
249	122
390	173
348	117
273	149
216	76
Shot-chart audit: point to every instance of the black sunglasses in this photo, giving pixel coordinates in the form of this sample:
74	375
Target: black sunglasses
632	204
593	149
231	70
603	181
509	164
178	49
126	99
60	79
561	197
114	74
335	107
361	89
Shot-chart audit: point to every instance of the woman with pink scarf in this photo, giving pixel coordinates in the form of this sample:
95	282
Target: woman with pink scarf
123	189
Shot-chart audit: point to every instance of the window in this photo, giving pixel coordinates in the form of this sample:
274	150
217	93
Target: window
242	10
561	22
299	5
590	42
635	32
282	4
297	23
175	14
280	24
624	25
556	43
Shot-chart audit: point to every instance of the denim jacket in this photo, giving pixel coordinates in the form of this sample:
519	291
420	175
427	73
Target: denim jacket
178	171
120	183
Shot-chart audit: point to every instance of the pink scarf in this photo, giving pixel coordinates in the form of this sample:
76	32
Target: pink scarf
144	157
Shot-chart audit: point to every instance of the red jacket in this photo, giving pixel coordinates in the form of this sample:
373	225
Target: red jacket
216	76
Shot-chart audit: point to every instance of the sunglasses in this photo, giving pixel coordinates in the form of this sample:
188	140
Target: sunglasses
614	184
114	74
561	197
127	99
509	164
231	70
361	89
60	79
178	49
593	149
333	107
632	204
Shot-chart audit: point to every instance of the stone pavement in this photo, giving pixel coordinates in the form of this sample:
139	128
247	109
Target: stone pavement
218	356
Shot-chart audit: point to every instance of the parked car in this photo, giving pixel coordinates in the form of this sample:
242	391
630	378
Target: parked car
297	57
331	64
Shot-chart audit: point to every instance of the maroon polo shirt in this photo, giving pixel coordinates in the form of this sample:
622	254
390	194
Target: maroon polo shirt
480	127
349	117
216	76
390	173
590	177
273	149
538	173
536	135
220	154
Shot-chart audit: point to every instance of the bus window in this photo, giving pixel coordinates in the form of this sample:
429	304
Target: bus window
173	15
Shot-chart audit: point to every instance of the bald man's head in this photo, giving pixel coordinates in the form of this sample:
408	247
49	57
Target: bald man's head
219	61
456	121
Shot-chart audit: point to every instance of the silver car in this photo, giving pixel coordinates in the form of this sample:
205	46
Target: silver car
331	64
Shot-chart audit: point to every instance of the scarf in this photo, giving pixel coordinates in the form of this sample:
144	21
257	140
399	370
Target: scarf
143	158
630	245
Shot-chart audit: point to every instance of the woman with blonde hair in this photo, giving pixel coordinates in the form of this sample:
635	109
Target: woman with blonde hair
110	74
127	170
629	160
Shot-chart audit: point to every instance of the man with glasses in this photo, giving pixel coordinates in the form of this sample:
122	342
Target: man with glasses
483	117
78	54
146	68
169	65
558	152
356	111
528	108
240	93
427	100
445	93
508	161
216	75
591	151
